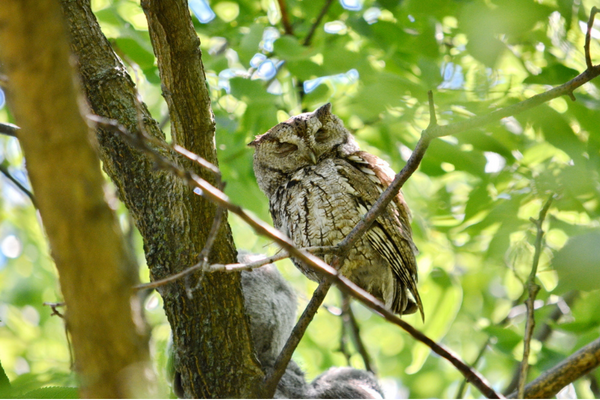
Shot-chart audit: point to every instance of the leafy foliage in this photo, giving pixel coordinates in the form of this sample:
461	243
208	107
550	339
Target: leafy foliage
471	198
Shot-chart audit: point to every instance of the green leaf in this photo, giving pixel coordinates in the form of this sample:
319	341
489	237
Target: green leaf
507	339
289	48
4	382
52	392
578	263
555	74
444	299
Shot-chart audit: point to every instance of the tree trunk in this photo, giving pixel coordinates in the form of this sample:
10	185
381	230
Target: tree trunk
95	268
210	330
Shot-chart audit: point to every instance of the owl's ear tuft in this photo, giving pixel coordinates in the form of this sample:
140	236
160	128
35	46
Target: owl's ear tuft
257	140
323	110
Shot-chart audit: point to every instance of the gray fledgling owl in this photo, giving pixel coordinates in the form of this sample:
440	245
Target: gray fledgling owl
320	185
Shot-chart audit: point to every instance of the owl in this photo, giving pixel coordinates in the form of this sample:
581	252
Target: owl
320	185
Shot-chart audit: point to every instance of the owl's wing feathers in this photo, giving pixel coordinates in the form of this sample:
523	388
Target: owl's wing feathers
391	234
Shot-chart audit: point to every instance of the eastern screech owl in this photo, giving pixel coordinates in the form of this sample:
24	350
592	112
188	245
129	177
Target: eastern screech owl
320	185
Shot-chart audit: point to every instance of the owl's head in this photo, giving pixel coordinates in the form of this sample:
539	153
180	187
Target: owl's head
303	140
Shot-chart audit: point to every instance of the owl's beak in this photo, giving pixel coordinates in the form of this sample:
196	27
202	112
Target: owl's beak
313	156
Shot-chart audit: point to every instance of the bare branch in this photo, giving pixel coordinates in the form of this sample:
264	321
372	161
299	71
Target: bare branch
210	192
572	368
54	307
317	22
230	267
350	320
272	379
432	116
588	36
461	390
533	290
18	184
544	332
285	19
8	129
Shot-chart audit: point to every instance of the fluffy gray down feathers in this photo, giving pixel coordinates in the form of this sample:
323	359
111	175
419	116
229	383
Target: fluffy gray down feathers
271	306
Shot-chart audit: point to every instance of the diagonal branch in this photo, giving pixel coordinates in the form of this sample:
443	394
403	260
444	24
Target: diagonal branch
8	129
435	131
213	194
533	290
285	18
544	332
317	22
18	184
272	380
572	368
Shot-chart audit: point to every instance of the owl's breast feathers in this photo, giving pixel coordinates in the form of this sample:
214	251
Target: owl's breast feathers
320	204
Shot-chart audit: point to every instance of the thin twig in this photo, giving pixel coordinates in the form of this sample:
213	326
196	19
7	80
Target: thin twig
54	307
588	36
203	257
350	320
272	379
533	289
569	370
461	390
543	333
18	184
8	129
230	267
344	338
285	18
317	22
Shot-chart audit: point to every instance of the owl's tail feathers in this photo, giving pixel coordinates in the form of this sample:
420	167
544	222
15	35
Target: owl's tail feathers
419	304
413	303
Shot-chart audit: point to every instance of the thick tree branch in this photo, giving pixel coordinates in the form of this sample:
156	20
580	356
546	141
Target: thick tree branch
533	289
211	338
94	265
572	368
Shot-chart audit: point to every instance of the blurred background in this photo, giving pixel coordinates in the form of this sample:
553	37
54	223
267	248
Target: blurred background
471	199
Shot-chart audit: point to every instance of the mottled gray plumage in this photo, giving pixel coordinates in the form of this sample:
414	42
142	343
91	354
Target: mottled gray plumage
344	383
271	306
320	185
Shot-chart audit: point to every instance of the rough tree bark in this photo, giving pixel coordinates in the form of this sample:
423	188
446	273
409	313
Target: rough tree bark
95	268
210	330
